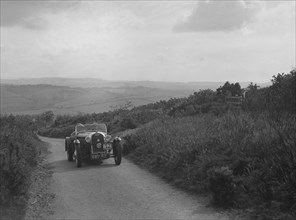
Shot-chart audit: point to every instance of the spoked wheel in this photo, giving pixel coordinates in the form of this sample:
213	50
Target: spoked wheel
78	156
117	151
69	154
69	151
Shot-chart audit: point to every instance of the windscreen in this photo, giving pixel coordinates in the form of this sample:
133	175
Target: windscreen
102	127
91	127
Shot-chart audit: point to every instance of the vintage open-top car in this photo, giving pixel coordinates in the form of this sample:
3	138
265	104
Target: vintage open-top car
91	142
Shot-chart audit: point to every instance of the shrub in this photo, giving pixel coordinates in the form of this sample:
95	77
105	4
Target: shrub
243	160
18	154
221	184
127	123
56	132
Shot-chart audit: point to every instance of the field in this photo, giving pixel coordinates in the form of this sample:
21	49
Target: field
87	95
35	99
99	83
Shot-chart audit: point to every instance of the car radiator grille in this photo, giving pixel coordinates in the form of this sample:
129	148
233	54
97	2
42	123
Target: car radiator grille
97	141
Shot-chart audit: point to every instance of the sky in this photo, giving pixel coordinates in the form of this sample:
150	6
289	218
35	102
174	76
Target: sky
180	41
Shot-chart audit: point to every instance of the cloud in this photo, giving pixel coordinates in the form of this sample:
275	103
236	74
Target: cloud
134	41
217	16
30	14
268	21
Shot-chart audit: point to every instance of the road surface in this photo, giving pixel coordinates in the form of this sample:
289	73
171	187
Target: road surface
106	191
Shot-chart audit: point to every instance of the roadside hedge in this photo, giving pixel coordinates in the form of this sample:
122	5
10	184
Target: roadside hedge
18	155
245	161
57	132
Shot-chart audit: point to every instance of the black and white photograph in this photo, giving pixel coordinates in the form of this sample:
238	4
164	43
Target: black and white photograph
148	109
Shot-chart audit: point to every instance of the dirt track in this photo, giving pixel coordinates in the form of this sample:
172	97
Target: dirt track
107	191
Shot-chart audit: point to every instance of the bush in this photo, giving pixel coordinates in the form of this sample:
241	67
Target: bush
18	155
127	123
221	184
56	132
278	97
243	160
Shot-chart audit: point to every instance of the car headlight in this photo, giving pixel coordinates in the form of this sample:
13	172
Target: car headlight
108	138
88	139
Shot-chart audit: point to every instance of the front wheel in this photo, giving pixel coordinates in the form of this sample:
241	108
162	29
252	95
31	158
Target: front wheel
69	152
78	156
117	150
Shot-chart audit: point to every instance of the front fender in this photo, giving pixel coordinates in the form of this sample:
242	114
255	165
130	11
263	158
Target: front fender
76	144
115	144
117	139
76	141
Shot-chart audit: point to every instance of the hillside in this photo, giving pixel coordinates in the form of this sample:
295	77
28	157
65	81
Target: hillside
95	82
88	95
33	99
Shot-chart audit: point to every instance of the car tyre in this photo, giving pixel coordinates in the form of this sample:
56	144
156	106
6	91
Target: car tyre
117	150
69	152
78	156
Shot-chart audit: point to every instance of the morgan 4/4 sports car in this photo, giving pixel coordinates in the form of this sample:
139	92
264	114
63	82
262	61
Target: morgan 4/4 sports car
91	142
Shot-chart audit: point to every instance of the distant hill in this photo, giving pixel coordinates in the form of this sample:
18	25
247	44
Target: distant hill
33	99
88	95
95	82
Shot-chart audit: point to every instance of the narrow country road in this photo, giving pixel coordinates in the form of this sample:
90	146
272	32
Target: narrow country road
106	191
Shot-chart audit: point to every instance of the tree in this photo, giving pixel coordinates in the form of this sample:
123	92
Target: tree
230	89
280	96
283	91
252	86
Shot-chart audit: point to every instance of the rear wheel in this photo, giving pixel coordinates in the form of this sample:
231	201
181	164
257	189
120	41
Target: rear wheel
78	156
117	150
